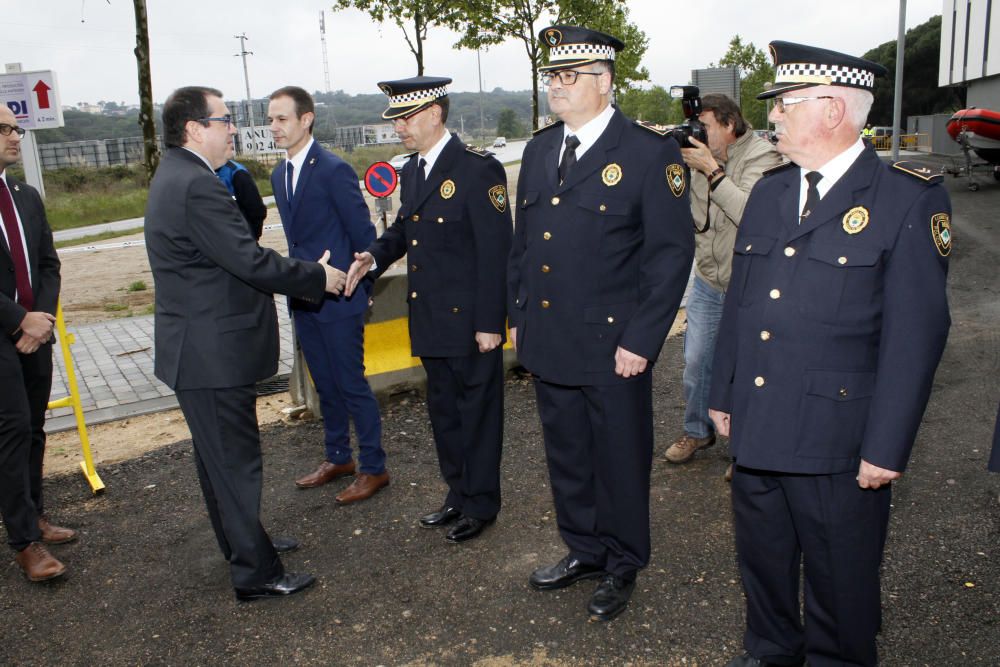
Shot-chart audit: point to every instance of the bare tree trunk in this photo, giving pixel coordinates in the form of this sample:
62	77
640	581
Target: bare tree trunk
146	120
421	29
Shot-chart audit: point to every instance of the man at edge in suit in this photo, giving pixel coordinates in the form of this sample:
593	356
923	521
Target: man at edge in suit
321	207
832	328
454	227
29	294
216	329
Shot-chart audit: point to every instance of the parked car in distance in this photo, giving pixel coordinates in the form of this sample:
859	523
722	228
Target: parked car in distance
766	134
399	161
500	142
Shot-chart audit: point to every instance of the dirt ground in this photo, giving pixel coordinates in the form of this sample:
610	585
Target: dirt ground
147	585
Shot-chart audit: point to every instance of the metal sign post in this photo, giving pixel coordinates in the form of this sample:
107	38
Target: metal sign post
33	97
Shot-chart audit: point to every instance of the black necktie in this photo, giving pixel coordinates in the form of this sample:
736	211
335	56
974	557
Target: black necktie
289	170
568	158
812	194
421	176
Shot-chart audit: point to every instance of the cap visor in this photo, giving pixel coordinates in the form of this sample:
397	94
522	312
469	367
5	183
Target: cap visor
393	113
780	88
566	64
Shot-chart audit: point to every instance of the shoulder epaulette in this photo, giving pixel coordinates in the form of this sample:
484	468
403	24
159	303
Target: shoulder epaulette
661	130
481	152
921	170
546	127
777	168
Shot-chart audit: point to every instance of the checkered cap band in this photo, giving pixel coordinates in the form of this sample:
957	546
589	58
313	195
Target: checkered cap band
417	97
577	51
824	74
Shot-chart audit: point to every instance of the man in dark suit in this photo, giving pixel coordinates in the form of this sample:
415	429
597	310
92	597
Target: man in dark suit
29	294
603	244
321	207
454	226
216	329
833	325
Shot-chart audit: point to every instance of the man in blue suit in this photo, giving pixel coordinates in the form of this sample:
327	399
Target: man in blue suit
321	206
833	325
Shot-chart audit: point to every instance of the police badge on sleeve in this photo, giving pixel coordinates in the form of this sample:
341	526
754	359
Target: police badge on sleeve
941	232
675	179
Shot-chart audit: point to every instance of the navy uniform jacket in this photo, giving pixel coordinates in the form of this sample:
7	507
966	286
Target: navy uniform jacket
456	235
994	464
829	340
328	212
602	260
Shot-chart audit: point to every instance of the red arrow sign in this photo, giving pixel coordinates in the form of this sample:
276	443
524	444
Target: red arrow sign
42	92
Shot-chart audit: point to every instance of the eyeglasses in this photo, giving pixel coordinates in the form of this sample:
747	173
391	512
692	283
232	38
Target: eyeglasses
227	119
6	129
782	102
567	77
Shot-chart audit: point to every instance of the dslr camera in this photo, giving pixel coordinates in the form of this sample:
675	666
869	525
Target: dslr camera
691	127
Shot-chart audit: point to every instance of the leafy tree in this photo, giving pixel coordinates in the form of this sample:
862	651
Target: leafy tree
509	125
653	105
151	150
489	22
611	18
755	71
921	94
413	17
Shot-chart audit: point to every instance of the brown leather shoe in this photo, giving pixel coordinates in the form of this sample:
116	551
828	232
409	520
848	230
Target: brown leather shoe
729	473
326	472
363	487
38	564
55	534
685	446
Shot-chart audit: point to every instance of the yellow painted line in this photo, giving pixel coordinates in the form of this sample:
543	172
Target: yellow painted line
387	346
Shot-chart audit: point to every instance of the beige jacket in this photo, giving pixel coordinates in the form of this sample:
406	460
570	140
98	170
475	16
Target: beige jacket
748	156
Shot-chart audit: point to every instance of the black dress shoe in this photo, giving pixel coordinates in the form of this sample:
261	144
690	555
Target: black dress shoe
466	528
447	514
747	660
610	597
565	573
287	584
284	544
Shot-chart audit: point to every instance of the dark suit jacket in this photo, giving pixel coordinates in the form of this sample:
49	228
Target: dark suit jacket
215	324
328	212
456	238
602	260
43	262
829	339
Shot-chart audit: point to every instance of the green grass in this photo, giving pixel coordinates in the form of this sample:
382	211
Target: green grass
90	239
115	307
69	210
137	286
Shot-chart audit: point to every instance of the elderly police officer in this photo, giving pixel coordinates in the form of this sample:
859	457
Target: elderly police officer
603	244
834	323
454	226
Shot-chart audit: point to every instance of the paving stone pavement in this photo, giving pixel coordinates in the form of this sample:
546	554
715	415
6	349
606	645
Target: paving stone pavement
114	370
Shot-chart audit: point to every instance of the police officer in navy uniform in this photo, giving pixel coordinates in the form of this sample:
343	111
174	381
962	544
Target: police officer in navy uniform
994	464
603	245
454	226
834	323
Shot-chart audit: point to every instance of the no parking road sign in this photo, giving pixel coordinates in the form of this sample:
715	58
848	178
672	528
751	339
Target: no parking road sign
381	179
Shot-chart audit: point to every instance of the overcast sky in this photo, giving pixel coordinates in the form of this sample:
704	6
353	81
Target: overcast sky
88	43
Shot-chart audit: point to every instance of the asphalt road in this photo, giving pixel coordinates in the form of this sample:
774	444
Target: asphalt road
148	586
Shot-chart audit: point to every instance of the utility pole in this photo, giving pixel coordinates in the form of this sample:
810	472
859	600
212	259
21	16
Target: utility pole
897	103
482	125
246	79
322	39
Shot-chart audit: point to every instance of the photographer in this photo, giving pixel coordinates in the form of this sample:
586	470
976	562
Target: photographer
722	174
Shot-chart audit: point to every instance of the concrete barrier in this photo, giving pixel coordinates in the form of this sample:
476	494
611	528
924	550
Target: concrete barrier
388	364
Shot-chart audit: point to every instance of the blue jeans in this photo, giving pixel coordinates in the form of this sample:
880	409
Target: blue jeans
704	310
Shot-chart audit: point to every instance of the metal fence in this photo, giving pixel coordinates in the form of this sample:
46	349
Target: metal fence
93	153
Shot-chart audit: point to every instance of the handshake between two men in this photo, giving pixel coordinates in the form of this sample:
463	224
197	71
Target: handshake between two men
335	278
